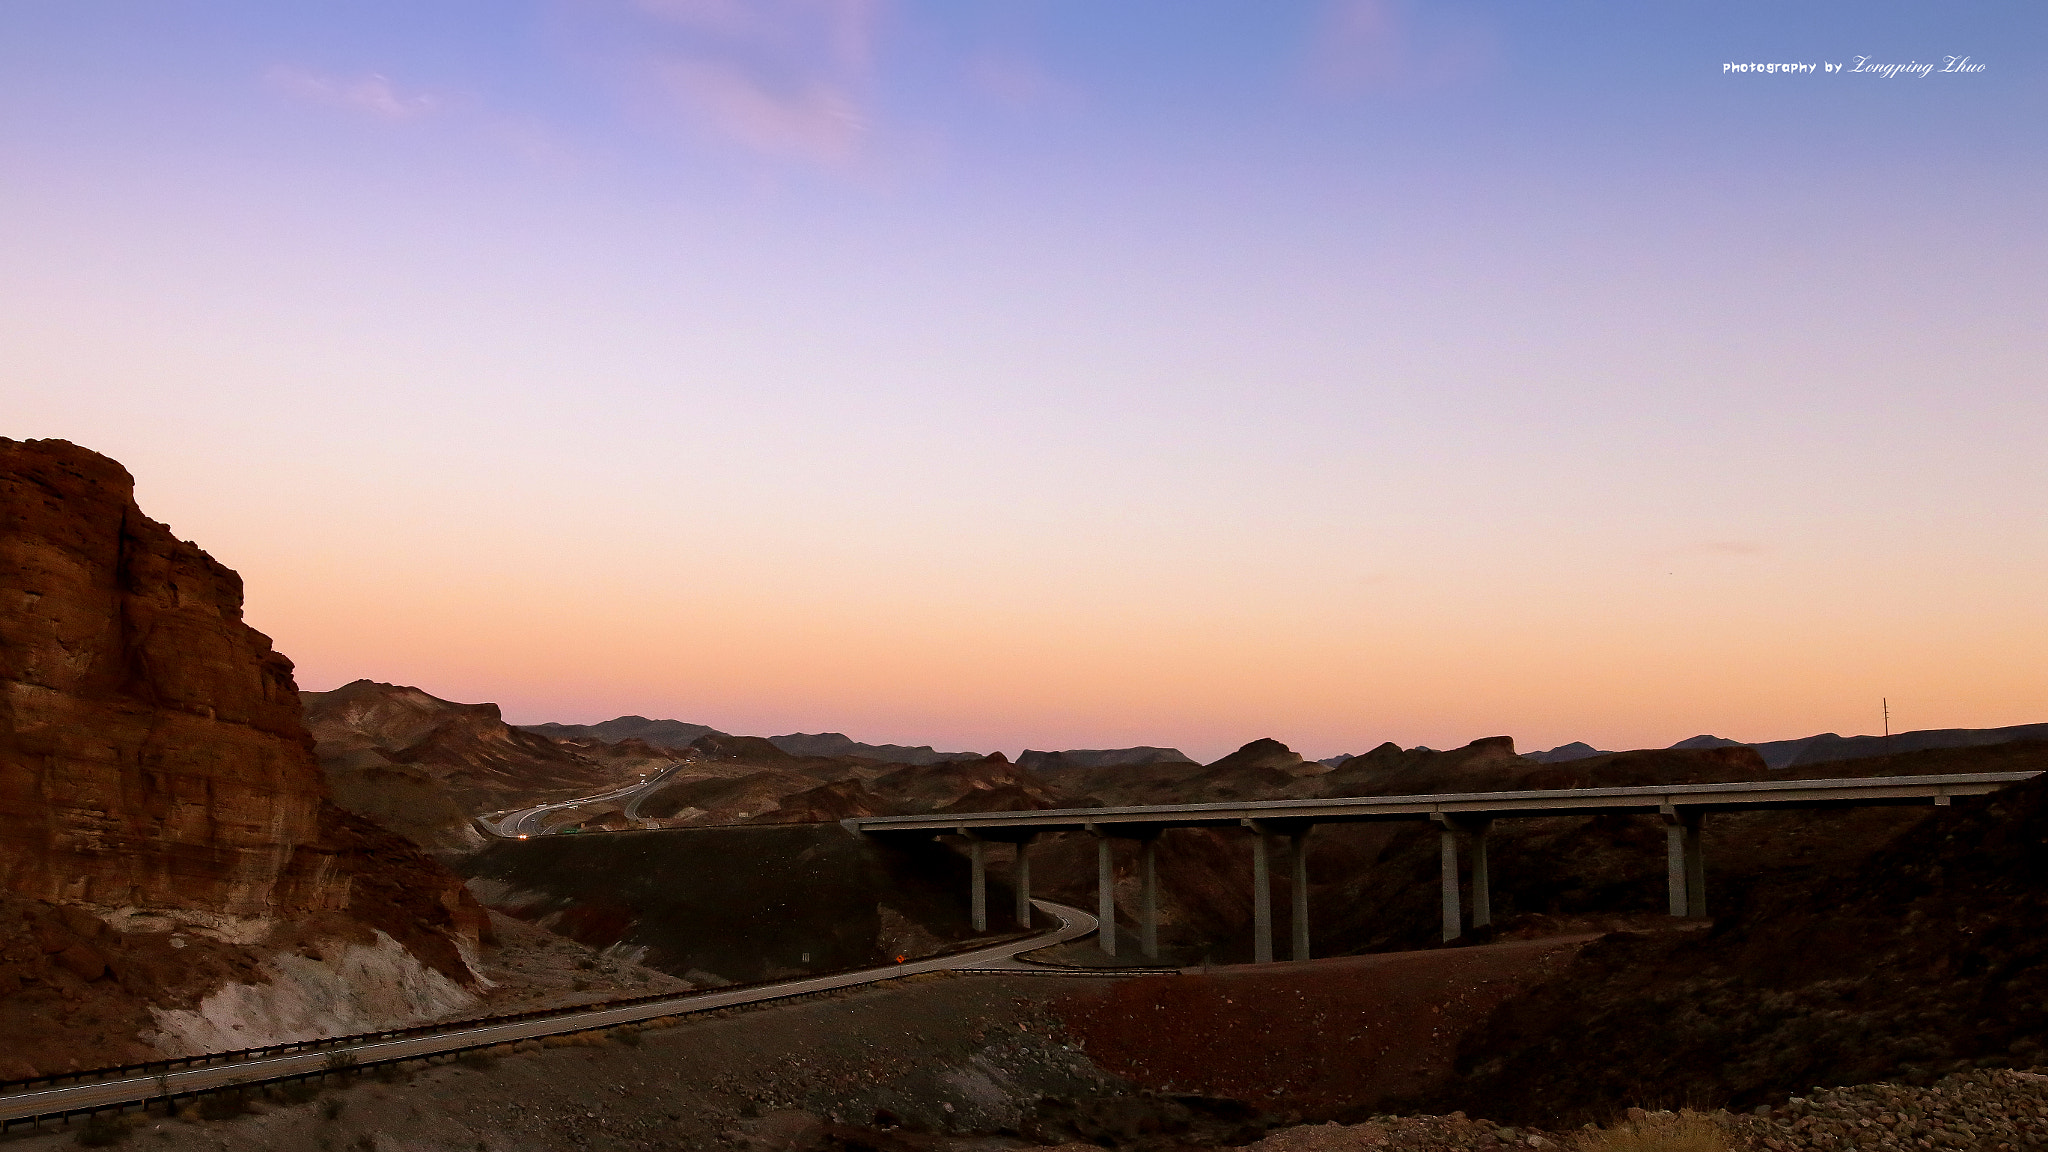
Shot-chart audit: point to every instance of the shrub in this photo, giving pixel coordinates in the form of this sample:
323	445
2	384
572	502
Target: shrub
224	1104
296	1091
103	1129
1681	1131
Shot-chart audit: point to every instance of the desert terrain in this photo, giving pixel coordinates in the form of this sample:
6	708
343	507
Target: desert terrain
200	857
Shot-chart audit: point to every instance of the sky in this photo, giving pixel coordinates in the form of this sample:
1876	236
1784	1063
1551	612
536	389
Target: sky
1057	374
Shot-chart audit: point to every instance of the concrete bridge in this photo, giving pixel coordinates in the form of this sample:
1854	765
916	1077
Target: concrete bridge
1286	824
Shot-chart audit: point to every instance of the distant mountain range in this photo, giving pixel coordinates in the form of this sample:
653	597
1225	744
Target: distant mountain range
1777	754
1100	757
661	733
1828	747
681	734
839	744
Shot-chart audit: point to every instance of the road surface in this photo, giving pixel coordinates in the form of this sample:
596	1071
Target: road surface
526	821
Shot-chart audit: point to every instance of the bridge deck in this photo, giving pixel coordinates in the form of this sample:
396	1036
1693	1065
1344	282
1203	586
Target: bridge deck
1686	798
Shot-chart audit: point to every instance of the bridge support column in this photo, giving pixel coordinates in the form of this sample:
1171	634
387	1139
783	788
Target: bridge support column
1148	912
1695	868
1685	862
1023	881
1262	900
1482	882
1298	861
1105	895
1454	916
977	883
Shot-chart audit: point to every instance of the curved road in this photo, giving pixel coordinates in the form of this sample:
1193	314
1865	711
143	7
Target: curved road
1074	924
521	821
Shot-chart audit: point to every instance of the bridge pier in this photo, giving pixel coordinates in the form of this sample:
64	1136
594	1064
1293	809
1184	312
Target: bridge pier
1482	882
1685	867
1105	894
1263	835
1454	916
977	884
1022	880
1262	901
1297	851
1148	901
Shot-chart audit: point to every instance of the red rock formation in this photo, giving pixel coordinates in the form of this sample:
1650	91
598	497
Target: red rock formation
152	754
151	751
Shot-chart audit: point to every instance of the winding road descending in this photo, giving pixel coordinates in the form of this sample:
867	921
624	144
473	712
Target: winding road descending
522	822
1074	924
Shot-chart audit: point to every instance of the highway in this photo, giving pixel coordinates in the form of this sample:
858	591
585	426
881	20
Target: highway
525	821
113	1093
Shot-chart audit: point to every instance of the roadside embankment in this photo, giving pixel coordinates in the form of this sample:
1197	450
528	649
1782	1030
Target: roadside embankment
938	1063
735	904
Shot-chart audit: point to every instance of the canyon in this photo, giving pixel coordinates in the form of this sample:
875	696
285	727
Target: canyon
198	856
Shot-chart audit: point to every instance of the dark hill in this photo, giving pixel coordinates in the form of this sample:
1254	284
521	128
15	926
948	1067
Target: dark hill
1100	757
1829	747
839	744
1926	955
1576	750
661	733
422	766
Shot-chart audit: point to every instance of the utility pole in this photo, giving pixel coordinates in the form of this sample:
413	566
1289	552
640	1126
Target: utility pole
1886	704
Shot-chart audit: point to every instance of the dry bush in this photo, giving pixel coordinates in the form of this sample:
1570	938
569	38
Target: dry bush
224	1104
103	1129
1681	1131
575	1040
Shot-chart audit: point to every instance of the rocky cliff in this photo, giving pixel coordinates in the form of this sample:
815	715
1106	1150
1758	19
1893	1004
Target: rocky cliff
156	780
151	751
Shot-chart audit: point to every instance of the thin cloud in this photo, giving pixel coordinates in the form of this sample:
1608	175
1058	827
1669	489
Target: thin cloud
1383	45
789	79
373	93
817	122
1020	84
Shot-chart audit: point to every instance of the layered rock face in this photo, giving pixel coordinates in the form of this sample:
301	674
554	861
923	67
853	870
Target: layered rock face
166	829
151	752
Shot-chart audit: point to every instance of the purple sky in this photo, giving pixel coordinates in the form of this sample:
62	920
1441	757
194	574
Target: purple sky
1067	375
